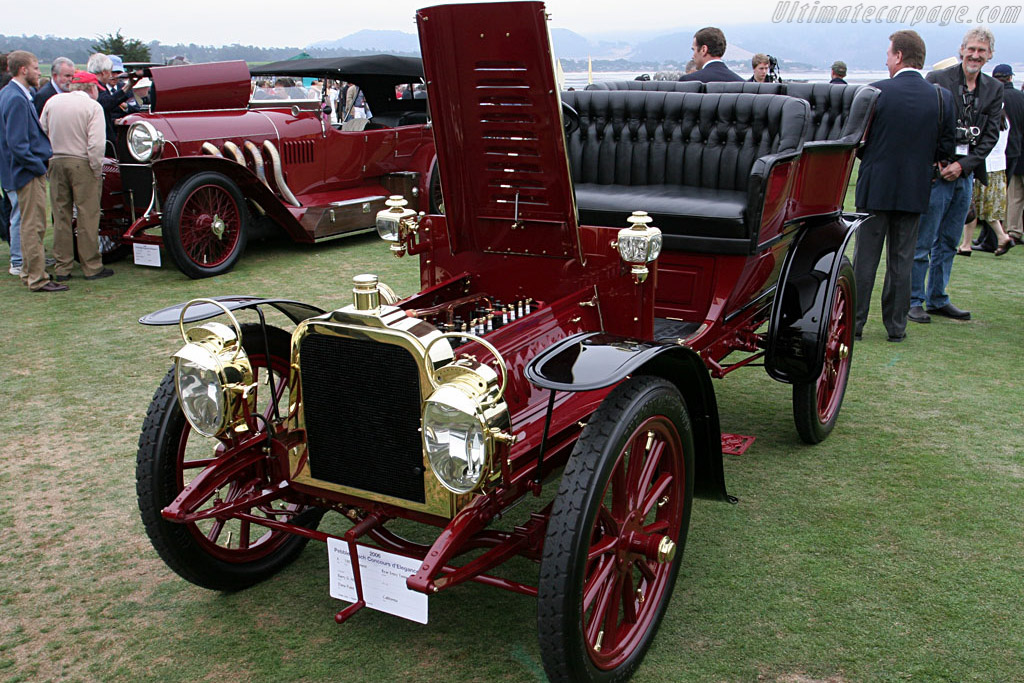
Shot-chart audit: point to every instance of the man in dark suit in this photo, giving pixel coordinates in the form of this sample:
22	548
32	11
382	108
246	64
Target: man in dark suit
909	133
111	99
60	77
708	48
1013	105
979	101
24	154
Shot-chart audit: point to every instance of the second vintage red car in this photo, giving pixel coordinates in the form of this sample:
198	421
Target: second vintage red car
213	162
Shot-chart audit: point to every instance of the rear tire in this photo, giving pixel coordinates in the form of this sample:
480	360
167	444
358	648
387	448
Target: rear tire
816	404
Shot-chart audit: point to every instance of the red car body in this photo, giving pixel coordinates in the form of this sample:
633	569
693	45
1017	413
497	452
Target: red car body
212	180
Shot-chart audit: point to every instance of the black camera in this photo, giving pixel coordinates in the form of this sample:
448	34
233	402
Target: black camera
967	135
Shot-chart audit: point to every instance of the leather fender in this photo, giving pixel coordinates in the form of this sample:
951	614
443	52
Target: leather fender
800	313
295	310
595	360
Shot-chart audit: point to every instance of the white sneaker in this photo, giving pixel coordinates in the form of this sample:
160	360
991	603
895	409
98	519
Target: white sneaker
14	270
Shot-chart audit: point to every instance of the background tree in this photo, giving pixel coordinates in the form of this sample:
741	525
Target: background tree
129	49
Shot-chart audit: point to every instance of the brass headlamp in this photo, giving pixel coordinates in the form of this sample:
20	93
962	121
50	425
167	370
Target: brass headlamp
397	224
465	420
639	244
212	375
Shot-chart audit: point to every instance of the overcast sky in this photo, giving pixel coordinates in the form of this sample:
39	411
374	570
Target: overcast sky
272	23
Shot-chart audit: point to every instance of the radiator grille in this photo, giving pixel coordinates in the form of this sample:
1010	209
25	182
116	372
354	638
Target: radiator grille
362	406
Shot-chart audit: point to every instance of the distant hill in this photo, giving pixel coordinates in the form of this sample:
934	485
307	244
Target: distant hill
861	46
376	41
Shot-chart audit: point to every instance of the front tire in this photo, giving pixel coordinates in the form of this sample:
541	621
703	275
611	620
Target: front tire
205	224
628	485
219	555
816	404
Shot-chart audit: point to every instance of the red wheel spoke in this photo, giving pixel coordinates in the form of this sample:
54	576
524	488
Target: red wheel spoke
611	524
657	527
605	545
199	464
611	617
601	608
650	467
646	570
657	490
628	600
598	582
214	533
243	535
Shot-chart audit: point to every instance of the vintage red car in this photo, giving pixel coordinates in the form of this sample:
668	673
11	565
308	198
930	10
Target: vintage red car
560	341
213	162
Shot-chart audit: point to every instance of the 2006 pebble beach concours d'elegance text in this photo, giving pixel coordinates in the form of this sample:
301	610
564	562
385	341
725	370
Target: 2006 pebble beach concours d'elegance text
559	340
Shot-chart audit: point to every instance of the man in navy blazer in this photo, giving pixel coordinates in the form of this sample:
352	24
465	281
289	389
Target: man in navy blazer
24	153
708	48
912	129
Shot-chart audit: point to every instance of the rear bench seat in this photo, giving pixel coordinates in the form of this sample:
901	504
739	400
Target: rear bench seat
697	163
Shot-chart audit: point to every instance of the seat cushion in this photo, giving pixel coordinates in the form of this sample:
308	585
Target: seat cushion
676	209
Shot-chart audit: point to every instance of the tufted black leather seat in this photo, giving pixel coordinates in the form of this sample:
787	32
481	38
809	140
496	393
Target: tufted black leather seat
659	86
696	162
839	113
746	86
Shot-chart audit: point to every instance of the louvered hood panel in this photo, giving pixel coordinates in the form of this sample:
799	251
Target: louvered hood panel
498	128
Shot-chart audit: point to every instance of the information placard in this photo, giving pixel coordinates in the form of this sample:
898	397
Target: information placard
383	575
147	254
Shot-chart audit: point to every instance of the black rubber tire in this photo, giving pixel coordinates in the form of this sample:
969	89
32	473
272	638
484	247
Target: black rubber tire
157	484
813	423
436	203
582	490
196	252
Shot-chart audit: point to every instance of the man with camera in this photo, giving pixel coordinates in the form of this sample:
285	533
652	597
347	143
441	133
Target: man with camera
978	100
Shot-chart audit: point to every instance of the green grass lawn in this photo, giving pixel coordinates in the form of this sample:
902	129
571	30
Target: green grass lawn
892	551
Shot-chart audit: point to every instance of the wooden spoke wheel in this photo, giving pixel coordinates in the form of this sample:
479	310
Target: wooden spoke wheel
616	534
205	224
816	404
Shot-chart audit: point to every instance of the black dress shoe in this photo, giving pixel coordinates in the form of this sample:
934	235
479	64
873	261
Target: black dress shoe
917	315
951	311
897	337
106	272
63	278
52	287
857	337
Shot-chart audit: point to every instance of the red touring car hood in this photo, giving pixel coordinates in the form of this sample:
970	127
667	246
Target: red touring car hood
497	122
201	87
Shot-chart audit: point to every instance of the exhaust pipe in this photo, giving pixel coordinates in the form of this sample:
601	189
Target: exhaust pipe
275	162
208	148
232	149
257	162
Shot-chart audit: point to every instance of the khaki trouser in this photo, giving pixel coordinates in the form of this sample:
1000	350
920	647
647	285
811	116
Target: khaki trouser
32	202
1014	206
73	182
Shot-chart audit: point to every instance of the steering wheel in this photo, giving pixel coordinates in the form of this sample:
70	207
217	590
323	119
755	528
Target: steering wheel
570	119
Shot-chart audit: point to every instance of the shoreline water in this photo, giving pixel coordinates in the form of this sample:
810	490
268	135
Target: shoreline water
578	79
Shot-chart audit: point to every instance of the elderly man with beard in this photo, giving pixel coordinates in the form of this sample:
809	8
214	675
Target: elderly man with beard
978	100
60	78
24	153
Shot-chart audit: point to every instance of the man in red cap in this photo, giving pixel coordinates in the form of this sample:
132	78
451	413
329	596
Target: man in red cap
76	126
